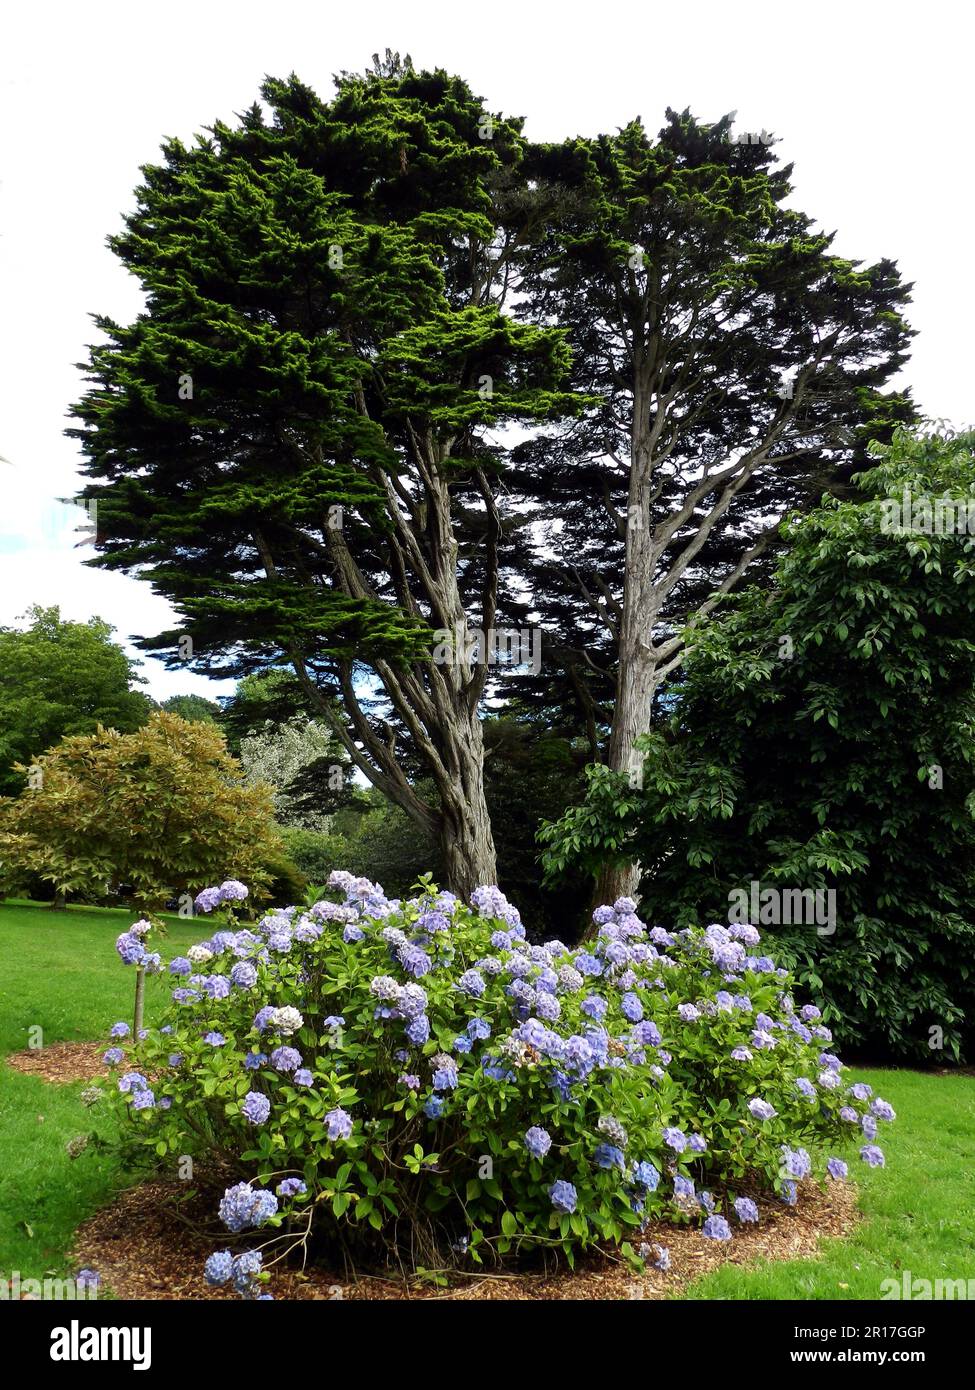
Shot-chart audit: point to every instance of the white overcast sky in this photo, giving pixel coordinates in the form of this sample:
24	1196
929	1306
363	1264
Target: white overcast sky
871	102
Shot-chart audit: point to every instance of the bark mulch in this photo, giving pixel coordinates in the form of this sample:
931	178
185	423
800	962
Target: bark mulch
61	1062
147	1245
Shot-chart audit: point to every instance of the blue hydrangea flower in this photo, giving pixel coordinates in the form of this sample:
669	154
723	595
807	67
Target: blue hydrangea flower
218	1267
113	1056
256	1107
478	1029
433	1108
645	1175
538	1141
130	949
836	1168
303	1077
873	1156
631	1007
418	1030
745	1209
119	1030
675	1139
563	1196
207	899
243	1206
609	1156
716	1228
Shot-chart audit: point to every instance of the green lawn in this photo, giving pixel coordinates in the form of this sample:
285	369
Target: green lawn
918	1212
60	972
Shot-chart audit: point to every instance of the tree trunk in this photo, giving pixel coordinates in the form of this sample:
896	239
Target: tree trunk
58	903
466	840
636	672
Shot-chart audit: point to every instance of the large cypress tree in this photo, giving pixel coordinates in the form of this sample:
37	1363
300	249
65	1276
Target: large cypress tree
289	441
738	365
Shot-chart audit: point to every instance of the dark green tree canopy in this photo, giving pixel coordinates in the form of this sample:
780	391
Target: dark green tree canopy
59	678
735	365
290	442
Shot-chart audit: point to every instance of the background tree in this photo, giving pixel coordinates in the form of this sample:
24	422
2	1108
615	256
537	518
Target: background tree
57	678
301	761
192	707
290	441
734	364
823	737
150	815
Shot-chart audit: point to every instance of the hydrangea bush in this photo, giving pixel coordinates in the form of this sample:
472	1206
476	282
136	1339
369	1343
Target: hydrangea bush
416	1076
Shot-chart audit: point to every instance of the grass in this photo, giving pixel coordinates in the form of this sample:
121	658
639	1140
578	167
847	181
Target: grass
918	1211
61	973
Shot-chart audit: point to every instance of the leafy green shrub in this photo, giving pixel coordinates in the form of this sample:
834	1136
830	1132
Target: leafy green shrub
823	740
412	1077
315	853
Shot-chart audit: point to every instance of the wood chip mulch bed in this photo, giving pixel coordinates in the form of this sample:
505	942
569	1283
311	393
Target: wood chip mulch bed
61	1062
143	1248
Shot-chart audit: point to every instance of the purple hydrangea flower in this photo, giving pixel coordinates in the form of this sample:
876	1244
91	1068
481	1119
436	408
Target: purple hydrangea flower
472	983
836	1168
244	974
256	1107
339	1124
285	1059
716	1228
291	1187
872	1155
